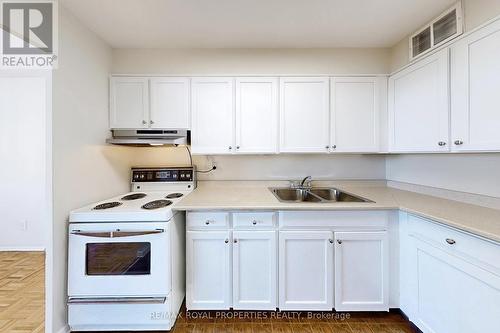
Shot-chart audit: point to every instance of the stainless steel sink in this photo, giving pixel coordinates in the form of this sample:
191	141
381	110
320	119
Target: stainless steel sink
315	194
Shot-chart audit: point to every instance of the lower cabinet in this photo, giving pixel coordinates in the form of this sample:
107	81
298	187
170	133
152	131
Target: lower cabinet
361	271
254	270
306	270
454	295
208	270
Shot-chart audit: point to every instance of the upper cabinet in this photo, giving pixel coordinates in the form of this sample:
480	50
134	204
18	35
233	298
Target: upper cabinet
129	103
256	115
304	115
419	106
355	113
212	102
475	96
137	102
170	103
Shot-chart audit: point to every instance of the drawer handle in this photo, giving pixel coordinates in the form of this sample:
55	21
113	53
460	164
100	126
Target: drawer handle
226	241
254	222
207	222
235	241
339	241
450	241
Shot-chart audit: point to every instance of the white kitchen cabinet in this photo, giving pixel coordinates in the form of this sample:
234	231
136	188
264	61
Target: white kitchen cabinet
256	115
212	103
419	106
355	113
361	271
306	270
169	103
208	270
254	270
129	103
304	115
475	98
452	294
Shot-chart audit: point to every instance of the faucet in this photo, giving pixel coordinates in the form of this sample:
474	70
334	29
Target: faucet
306	180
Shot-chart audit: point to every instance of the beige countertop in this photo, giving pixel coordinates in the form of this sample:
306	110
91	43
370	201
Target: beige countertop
255	195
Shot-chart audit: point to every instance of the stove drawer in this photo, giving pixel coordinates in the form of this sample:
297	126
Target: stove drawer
207	220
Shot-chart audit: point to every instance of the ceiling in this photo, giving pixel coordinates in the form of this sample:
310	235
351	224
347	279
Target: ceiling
254	23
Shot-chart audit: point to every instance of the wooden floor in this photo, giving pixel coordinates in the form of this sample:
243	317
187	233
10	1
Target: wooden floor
291	322
22	296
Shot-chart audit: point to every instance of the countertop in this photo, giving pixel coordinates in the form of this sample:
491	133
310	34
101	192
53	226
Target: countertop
255	195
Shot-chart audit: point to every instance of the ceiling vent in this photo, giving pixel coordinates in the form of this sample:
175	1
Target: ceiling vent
443	28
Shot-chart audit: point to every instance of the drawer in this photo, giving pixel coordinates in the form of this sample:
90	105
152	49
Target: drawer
254	220
207	220
456	242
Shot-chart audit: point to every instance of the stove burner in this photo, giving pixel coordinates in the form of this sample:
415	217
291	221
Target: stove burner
174	195
157	204
107	205
134	196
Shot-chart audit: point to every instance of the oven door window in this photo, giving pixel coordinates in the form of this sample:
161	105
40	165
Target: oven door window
118	258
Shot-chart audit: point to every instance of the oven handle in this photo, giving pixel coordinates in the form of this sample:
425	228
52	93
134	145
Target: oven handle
116	234
117	300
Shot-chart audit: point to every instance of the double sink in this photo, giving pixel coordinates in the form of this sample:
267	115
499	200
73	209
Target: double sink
315	194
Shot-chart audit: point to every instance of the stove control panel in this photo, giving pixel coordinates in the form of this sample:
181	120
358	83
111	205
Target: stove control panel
163	175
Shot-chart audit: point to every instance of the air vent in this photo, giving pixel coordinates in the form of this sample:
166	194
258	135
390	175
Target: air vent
443	28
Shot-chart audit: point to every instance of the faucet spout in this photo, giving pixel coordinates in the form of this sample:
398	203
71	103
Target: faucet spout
305	180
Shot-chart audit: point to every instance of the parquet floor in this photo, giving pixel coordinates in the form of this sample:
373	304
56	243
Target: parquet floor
291	322
22	292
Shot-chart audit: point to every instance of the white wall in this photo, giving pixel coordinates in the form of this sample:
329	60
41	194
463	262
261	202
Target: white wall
25	106
251	61
85	169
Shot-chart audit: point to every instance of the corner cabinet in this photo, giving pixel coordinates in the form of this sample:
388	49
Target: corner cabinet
157	103
419	106
306	270
361	271
356	104
304	115
475	97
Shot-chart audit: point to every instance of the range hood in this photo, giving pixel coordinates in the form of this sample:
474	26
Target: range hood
149	137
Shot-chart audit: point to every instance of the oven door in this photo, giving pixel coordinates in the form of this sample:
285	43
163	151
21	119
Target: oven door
119	259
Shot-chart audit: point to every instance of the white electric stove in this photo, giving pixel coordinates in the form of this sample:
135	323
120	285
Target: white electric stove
126	255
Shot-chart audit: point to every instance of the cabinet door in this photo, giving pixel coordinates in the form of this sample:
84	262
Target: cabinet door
169	103
419	106
256	115
208	270
454	295
254	270
361	271
304	115
212	130
306	270
355	113
129	103
475	97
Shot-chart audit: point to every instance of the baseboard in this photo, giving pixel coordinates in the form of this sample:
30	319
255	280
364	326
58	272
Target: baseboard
22	249
65	329
401	312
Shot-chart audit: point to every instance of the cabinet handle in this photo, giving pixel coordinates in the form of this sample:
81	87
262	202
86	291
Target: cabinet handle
442	143
458	142
254	222
331	241
327	147
235	241
339	241
237	147
144	122
334	146
226	241
151	122
230	147
450	241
